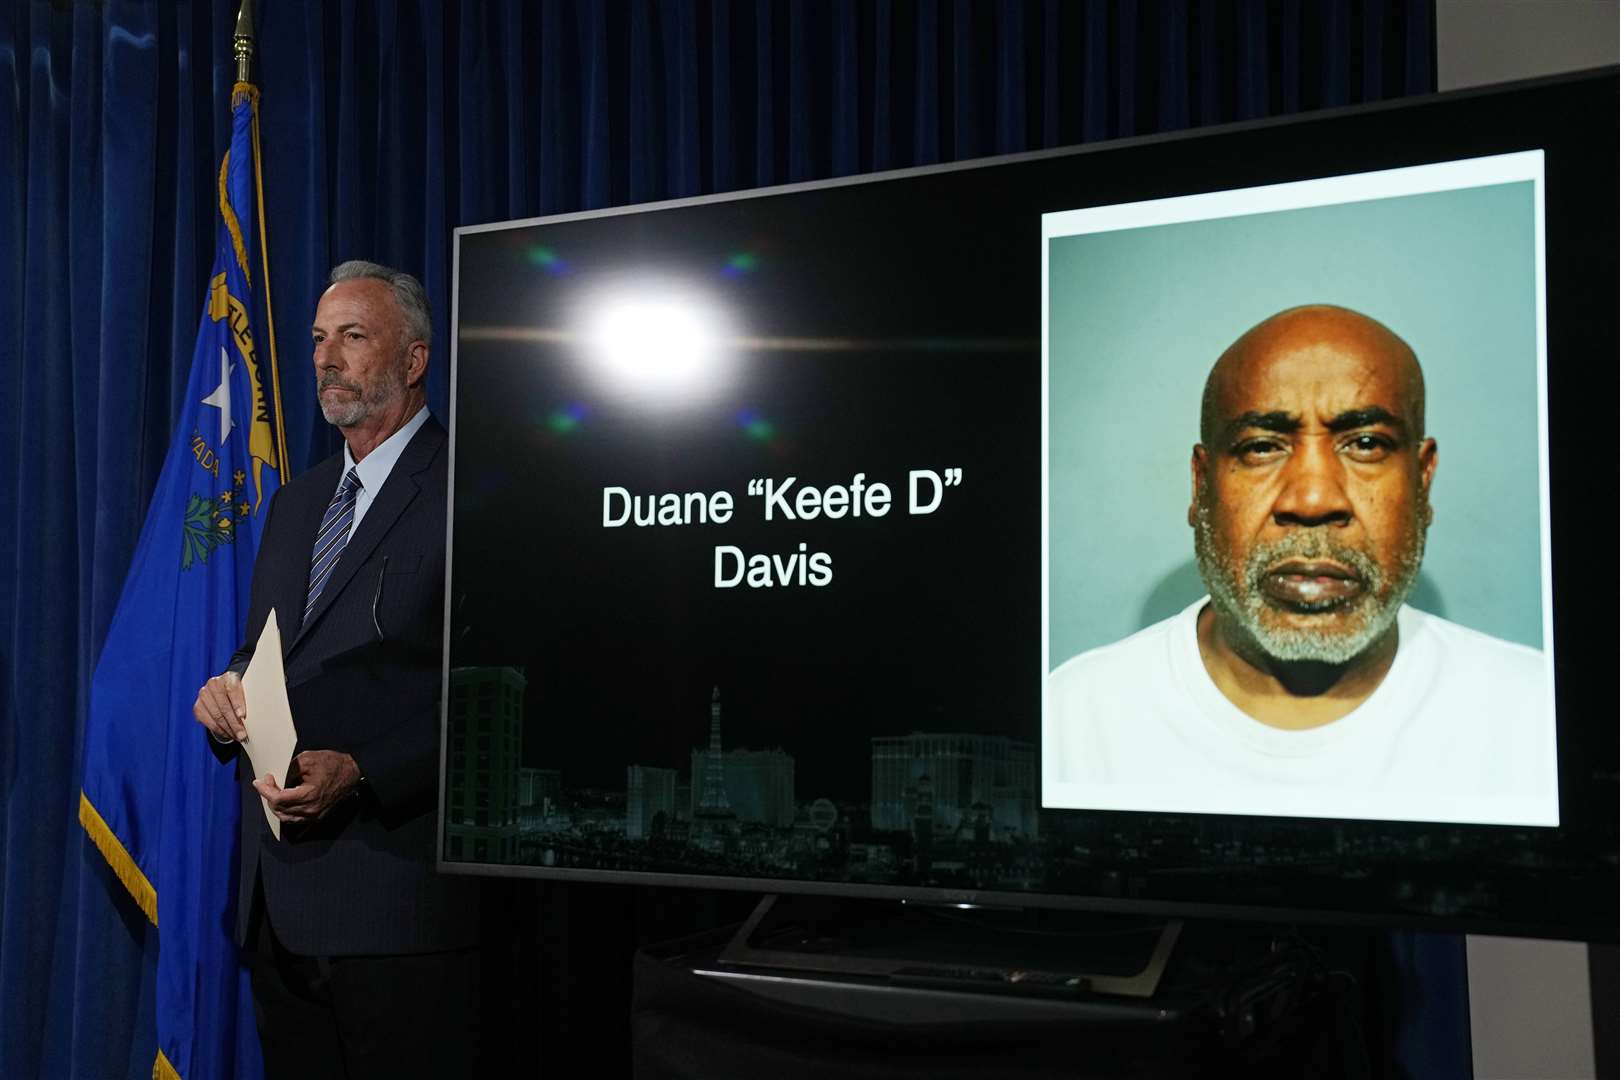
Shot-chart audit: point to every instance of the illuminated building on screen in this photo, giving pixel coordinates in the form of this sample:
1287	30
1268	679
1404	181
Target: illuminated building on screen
539	796
649	792
483	801
968	777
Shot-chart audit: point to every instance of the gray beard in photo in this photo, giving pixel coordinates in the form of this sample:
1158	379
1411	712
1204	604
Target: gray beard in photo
1244	607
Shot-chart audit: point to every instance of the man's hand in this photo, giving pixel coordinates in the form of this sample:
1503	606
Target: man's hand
221	707
325	777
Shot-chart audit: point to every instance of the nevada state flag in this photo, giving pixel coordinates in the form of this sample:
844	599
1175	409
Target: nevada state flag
153	798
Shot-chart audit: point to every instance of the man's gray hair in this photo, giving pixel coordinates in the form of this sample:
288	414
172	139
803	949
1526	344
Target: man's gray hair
408	294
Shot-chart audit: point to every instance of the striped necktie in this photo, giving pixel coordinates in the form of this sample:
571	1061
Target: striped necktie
332	537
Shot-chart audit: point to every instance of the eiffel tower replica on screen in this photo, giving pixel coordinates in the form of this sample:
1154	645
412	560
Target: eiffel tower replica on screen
714	823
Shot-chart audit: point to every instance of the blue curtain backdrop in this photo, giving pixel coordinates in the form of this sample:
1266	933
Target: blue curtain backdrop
384	126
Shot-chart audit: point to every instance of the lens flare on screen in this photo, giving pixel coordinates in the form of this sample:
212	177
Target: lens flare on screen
740	264
755	426
664	345
567	419
547	260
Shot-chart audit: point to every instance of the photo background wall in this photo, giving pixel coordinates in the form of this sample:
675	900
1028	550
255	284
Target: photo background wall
1138	316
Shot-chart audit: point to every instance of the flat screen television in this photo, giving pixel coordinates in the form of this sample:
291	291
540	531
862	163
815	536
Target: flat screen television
1212	523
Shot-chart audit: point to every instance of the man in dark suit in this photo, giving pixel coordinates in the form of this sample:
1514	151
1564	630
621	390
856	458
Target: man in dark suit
362	954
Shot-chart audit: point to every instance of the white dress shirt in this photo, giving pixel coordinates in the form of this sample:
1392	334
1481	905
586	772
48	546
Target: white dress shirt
376	466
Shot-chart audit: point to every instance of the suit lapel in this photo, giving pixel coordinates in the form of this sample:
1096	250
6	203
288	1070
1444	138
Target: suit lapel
398	492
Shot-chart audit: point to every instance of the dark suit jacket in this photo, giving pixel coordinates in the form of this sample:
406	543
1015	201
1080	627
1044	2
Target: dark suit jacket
363	676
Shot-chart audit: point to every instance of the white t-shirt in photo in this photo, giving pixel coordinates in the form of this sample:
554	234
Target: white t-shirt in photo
1460	729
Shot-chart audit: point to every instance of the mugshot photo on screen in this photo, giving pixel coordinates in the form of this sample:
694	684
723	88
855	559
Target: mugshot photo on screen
1294	479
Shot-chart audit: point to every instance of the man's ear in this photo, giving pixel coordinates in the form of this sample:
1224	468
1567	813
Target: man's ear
1428	461
416	359
1200	462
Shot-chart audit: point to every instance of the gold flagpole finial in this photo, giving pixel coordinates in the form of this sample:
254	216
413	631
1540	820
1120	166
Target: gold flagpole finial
243	40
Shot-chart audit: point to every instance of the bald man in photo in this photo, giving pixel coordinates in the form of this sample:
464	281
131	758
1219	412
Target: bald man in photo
1304	671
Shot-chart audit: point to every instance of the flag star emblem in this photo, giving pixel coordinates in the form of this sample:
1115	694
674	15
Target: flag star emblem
221	397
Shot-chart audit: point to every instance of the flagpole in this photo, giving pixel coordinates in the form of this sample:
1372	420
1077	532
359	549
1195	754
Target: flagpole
242	43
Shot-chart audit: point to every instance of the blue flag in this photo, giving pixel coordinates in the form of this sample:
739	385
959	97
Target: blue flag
154	799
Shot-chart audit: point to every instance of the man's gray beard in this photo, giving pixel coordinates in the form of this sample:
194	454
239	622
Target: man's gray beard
347	412
1243	605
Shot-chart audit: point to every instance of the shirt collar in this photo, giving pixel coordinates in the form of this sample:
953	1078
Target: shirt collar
375	467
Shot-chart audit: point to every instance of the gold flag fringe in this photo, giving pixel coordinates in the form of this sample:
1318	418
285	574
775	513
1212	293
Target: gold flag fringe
228	213
122	864
162	1070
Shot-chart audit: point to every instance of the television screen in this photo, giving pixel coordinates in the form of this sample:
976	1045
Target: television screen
1203	523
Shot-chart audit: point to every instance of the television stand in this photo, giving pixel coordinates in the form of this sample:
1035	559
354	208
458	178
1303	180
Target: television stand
817	986
970	948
